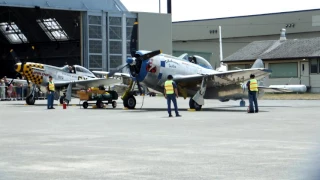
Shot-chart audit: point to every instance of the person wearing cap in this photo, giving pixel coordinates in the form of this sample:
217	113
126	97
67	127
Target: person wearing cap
252	85
171	93
51	90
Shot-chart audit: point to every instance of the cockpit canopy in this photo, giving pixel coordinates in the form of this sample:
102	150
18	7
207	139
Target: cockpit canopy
76	68
197	60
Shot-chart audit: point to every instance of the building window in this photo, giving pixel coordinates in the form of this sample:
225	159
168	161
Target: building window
53	29
13	33
284	70
314	66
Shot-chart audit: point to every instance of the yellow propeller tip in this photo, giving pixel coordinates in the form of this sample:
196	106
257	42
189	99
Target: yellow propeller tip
11	50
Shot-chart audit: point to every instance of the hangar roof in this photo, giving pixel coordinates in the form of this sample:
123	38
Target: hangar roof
83	5
277	49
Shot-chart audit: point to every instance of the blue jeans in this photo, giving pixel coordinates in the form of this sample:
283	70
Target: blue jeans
172	97
253	99
50	99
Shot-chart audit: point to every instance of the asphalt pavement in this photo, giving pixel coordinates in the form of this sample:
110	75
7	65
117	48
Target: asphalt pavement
220	142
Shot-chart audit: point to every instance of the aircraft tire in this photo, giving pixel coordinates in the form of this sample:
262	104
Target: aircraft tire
194	105
129	102
30	100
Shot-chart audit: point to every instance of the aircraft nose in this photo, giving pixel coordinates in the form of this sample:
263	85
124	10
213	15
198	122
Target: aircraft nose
17	67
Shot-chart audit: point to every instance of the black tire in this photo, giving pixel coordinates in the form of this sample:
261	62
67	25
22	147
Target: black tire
114	104
194	105
85	105
129	102
30	100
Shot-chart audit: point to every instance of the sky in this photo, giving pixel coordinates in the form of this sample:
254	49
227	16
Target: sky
183	10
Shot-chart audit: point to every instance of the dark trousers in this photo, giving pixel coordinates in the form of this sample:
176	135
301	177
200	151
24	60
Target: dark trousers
253	99
50	99
172	97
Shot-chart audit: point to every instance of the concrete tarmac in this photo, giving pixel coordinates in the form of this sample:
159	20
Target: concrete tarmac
220	142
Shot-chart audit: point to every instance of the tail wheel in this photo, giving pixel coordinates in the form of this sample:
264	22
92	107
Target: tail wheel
30	100
129	102
194	105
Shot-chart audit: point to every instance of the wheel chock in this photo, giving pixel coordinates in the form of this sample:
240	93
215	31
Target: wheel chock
74	105
192	110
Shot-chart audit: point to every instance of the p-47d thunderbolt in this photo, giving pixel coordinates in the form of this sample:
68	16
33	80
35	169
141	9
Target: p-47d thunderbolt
197	80
195	77
65	78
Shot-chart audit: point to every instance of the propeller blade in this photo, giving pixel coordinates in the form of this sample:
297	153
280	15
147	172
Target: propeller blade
119	68
134	39
13	79
150	55
15	57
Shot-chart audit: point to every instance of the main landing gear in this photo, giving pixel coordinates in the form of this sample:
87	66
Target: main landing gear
194	105
197	101
129	101
30	100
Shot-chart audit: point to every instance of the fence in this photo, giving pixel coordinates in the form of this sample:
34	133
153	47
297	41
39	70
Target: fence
16	93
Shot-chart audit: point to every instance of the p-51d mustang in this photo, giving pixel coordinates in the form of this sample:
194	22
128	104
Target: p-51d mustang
65	78
196	79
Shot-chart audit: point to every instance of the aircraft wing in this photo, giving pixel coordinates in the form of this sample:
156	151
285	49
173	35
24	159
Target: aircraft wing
115	74
22	81
89	82
223	78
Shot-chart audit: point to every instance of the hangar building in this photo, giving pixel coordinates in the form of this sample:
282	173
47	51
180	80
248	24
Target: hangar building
294	60
92	33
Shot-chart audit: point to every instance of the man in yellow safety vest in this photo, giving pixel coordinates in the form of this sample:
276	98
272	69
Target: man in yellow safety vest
252	85
51	90
171	93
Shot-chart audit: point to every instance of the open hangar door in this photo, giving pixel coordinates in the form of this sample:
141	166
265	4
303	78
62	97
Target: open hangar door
39	35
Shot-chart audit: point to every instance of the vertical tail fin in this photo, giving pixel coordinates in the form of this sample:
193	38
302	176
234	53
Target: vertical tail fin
258	64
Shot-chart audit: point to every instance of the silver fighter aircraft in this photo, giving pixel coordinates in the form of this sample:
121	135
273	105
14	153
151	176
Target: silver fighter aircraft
196	79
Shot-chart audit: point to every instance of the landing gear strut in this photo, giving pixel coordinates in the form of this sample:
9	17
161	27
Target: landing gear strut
197	100
129	101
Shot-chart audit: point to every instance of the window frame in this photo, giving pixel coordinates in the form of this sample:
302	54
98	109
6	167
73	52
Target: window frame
318	65
297	70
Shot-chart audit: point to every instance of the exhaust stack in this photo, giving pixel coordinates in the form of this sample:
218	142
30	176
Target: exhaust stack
283	35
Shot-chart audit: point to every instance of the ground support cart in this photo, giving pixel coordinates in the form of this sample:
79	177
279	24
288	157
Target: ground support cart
99	98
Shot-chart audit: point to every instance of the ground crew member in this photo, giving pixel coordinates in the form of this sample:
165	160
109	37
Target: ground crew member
51	90
252	85
171	93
